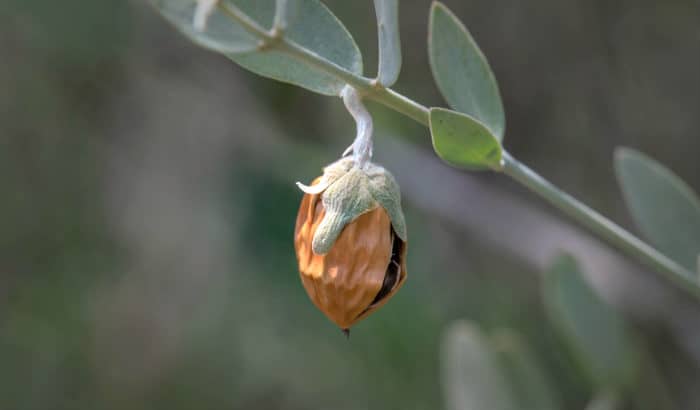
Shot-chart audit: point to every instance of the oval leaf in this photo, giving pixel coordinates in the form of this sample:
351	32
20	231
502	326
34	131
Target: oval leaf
530	383
387	12
471	377
593	331
461	71
220	34
665	208
463	141
314	28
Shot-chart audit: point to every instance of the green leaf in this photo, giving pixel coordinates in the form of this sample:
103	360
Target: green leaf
221	34
462	141
308	23
461	71
596	335
387	12
471	377
314	28
528	379
665	208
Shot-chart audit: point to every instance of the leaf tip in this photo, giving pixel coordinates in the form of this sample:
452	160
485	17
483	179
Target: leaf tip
622	153
626	155
437	4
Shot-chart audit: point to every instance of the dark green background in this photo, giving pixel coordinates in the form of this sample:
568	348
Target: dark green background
147	206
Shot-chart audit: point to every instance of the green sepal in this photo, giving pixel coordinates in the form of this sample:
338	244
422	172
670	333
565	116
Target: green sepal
348	191
346	199
385	190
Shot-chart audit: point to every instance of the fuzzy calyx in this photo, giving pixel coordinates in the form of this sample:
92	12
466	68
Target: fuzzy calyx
349	191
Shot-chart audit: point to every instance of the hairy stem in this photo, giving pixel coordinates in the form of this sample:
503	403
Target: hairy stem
363	145
613	233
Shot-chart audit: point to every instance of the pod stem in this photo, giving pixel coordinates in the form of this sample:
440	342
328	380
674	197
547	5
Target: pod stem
362	146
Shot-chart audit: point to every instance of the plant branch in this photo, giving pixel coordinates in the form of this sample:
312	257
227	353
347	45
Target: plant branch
599	224
280	21
371	89
368	87
250	25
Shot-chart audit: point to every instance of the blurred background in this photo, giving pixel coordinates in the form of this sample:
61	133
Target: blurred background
148	205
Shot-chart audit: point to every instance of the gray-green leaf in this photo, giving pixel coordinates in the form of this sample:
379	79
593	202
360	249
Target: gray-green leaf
220	35
665	208
596	335
461	71
387	12
462	141
317	29
529	381
471	377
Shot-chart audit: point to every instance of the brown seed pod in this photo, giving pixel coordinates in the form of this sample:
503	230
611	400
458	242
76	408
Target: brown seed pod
363	269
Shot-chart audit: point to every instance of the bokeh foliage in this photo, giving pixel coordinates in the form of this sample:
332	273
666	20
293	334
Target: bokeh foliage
86	323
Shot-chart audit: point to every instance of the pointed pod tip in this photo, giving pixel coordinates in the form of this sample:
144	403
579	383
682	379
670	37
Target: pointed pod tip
346	332
313	189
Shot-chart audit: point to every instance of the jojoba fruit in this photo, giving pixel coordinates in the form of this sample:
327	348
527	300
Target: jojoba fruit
351	252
